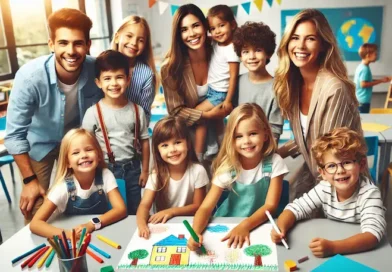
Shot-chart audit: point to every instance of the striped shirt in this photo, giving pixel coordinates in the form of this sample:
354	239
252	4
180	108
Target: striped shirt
364	206
141	90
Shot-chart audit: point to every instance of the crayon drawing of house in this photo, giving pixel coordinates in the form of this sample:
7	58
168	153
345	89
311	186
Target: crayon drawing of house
170	251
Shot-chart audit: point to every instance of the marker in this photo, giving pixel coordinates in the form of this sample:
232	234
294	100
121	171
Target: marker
100	251
108	241
42	251
42	261
28	253
74	243
276	228
95	257
38	253
194	235
49	260
81	239
66	247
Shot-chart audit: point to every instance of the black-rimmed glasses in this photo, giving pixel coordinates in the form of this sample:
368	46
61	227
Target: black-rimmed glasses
332	168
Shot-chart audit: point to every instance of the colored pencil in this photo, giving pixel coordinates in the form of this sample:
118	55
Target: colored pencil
194	235
57	242
84	246
65	241
28	253
95	257
64	253
74	243
23	265
276	228
55	247
49	260
42	261
100	251
81	239
32	262
108	241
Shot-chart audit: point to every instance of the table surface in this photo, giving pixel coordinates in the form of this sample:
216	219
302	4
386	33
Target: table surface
383	119
122	232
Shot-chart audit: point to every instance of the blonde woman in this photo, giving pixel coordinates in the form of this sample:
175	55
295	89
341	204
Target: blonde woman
249	168
313	91
133	39
83	186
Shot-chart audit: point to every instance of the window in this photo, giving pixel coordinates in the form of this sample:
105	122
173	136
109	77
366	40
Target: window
161	249
160	258
26	37
181	249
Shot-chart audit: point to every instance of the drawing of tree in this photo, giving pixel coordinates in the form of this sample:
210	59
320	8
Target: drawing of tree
136	255
257	251
233	256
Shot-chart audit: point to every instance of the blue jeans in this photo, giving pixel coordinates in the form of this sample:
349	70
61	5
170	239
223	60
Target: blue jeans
364	108
130	172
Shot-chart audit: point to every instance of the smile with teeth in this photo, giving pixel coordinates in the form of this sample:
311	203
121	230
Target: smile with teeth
250	148
342	179
85	163
70	60
131	49
194	41
174	157
301	55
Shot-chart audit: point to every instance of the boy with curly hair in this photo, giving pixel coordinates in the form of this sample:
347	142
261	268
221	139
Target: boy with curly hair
345	193
255	43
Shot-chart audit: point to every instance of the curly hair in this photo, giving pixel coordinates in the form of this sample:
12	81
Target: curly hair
258	35
342	142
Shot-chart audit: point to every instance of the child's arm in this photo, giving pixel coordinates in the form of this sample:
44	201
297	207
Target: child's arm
145	162
367	84
285	222
240	234
143	212
234	68
190	209
203	215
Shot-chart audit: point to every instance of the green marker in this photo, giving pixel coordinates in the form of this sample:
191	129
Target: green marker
50	258
194	235
81	239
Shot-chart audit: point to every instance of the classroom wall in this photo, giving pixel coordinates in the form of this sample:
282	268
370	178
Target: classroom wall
161	24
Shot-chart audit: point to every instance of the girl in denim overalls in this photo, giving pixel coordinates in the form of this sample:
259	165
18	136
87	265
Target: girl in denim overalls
83	186
249	169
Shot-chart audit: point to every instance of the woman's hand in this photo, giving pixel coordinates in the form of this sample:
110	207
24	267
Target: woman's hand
321	247
193	245
237	236
161	217
143	178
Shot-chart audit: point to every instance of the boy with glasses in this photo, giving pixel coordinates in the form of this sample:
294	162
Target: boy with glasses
345	194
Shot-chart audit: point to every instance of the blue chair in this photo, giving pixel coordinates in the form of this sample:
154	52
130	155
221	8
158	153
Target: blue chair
372	145
287	133
121	188
7	159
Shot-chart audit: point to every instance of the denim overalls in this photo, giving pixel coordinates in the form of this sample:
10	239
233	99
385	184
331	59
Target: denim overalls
97	203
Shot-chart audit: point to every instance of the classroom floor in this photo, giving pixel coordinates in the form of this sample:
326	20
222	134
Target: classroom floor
12	220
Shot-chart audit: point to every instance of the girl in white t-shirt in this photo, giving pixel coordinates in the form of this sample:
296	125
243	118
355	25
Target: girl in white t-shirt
83	186
177	185
222	71
248	166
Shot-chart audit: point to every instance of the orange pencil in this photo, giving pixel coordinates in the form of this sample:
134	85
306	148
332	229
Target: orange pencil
23	265
32	262
95	257
74	243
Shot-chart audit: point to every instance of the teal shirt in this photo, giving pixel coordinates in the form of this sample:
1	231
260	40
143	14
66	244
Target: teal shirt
363	73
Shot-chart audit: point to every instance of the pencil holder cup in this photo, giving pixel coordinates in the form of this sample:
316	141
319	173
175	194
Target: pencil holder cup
78	264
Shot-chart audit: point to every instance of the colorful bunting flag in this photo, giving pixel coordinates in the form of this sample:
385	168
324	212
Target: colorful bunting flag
259	4
204	10
246	7
235	10
151	3
174	9
270	2
162	7
279	1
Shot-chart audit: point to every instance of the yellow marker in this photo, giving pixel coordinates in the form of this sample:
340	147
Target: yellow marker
108	241
41	262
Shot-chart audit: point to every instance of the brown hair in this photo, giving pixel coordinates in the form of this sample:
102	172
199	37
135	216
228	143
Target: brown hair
342	142
367	48
69	18
223	12
165	129
257	35
111	60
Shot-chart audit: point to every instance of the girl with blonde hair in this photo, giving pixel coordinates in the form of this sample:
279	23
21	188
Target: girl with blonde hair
83	185
133	39
313	91
178	184
248	166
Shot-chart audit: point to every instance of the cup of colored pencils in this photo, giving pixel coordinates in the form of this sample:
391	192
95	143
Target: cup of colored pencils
71	256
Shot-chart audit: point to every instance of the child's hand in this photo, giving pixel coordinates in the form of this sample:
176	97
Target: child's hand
144	231
321	247
386	79
89	229
277	238
237	236
143	179
227	105
193	245
160	217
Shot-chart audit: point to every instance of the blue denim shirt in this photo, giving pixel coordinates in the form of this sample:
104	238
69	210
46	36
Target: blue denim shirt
35	114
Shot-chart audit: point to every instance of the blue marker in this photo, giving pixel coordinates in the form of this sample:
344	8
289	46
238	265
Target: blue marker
100	251
28	253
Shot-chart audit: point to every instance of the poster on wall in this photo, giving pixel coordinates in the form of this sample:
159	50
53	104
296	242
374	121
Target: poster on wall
351	26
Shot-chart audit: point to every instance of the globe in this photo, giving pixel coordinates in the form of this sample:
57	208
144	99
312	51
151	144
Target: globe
355	32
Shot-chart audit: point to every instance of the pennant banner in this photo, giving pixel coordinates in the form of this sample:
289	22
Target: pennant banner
246	7
235	10
270	2
259	4
174	9
204	10
151	3
279	1
162	7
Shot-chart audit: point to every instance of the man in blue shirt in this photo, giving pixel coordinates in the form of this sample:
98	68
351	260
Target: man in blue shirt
49	97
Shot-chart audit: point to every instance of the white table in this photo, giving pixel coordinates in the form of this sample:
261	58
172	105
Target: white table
122	232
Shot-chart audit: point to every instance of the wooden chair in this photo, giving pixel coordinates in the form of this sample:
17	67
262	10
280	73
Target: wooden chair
381	111
389	97
384	186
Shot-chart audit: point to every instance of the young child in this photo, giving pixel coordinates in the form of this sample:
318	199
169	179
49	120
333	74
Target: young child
363	78
223	69
247	165
345	194
178	184
133	39
82	180
255	43
123	122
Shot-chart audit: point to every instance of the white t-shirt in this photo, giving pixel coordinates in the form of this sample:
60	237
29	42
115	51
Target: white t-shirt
59	194
218	71
304	121
71	111
252	176
202	90
180	192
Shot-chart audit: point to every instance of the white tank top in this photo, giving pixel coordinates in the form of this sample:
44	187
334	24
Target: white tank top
202	90
304	121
